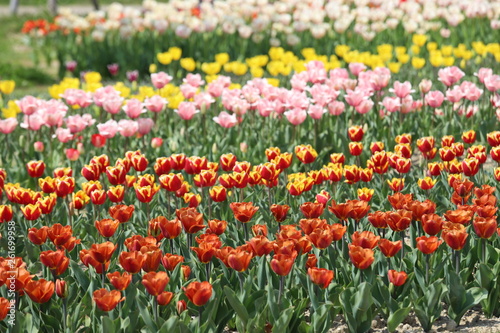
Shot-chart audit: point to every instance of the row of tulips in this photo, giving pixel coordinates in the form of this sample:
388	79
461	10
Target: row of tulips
316	102
326	253
103	38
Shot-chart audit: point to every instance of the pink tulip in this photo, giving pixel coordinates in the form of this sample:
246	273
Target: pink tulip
215	89
145	125
156	142
434	98
471	91
425	86
78	123
186	110
77	97
454	95
391	104
203	100
39	146
194	80
402	90
265	107
365	106
112	104
296	116
355	97
450	75
127	127
492	83
226	120
160	79
188	91
108	129
8	125
356	68
316	111
72	154
483	73
63	135
155	103
336	108
104	93
133	108
28	105
33	122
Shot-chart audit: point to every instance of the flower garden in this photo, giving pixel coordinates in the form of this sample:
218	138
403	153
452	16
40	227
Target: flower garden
265	166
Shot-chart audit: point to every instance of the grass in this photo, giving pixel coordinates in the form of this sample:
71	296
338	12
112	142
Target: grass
16	60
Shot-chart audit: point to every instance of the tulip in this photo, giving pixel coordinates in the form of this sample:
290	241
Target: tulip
192	221
156	142
35	168
56	261
428	245
306	154
360	257
120	280
243	211
282	264
5	213
365	239
198	293
397	278
388	248
164	298
311	210
320	276
155	282
107	300
455	237
39	146
279	212
39	291
485	227
239	259
61	288
170	261
31	212
181	306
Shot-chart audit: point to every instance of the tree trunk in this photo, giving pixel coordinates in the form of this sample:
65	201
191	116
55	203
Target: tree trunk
52	4
13	7
96	4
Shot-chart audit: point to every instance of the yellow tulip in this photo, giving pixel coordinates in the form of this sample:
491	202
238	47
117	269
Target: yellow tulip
256	71
419	39
153	68
92	77
394	67
417	63
7	86
164	58
188	64
222	58
175	52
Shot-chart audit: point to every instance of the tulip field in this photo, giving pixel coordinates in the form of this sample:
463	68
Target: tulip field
254	166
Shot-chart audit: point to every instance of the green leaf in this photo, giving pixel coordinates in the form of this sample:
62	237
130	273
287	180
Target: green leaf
281	325
319	319
237	306
80	276
397	318
107	324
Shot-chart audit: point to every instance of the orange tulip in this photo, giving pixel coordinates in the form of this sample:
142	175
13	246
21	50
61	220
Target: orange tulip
170	261
321	237
260	245
378	219
205	252
56	261
239	259
428	245
485	227
121	213
399	220
365	239
454	235
191	220
120	280
311	210
198	293
152	257
312	261
282	264
243	211
107	227
320	276
397	278
342	211
217	227
360	257
40	291
38	236
107	300
388	248
155	282
432	224
102	252
279	212
61	288
164	298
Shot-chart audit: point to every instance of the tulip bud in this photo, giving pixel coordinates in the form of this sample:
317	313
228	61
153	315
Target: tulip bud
80	148
181	306
72	154
243	147
39	146
156	142
61	288
98	140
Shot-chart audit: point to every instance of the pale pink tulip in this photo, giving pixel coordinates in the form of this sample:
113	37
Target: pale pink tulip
63	135
155	103
108	129
336	108
188	91
28	105
391	104
483	73
8	125
425	86
356	68
296	116
186	110
450	75
316	111
365	106
226	120
145	125
434	98
402	90
160	79
194	80
127	127
112	104
133	108
454	95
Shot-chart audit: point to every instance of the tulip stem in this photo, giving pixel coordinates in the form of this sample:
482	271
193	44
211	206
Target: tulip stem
402	247
171	245
168	205
207	270
483	245
199	318
457	262
427	257
103	274
240	277
155	308
282	283
245	229
65	315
